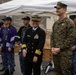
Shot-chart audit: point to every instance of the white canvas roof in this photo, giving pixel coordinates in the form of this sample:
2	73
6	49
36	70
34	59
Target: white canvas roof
17	6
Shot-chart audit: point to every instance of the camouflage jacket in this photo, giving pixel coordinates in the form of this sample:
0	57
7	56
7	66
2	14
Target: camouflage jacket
63	34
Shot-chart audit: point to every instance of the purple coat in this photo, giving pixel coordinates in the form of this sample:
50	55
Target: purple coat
7	36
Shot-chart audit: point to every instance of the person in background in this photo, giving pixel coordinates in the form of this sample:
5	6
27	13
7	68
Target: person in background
33	47
10	23
1	25
8	34
73	17
19	39
62	38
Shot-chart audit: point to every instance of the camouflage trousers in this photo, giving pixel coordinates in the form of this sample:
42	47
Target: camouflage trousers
63	63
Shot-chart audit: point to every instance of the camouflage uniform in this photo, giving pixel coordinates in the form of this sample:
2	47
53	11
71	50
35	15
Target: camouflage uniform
62	37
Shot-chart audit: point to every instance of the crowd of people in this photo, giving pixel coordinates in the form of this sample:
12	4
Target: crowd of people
31	40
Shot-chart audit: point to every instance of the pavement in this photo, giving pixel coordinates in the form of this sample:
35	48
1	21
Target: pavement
17	67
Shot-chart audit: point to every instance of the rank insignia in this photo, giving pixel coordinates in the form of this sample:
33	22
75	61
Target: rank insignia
36	36
63	24
28	36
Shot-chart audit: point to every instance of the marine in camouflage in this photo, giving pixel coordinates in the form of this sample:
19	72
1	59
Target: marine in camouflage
62	37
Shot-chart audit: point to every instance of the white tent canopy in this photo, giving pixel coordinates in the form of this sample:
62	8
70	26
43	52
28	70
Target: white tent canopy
17	6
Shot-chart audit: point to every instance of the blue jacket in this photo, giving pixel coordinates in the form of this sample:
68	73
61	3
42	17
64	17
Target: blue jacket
7	36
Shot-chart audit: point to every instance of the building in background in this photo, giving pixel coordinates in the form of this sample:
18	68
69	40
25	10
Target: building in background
3	1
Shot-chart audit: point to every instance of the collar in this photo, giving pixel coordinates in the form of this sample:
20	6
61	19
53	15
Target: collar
35	28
